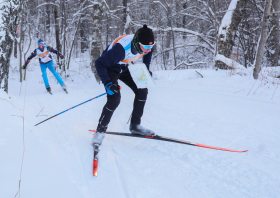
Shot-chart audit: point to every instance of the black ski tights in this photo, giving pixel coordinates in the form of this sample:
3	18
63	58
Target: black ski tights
113	101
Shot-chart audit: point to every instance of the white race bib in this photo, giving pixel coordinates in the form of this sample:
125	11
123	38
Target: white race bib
141	76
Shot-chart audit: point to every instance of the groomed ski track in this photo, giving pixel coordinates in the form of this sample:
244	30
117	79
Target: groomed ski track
58	153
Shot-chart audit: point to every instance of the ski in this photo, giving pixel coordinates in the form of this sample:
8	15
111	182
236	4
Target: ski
157	137
65	91
95	159
50	92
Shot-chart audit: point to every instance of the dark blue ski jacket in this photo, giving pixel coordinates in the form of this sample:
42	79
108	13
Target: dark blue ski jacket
110	59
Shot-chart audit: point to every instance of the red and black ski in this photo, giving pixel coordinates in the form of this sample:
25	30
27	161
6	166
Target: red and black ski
95	159
157	137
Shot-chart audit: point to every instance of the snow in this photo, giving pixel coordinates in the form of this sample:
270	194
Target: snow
220	109
231	63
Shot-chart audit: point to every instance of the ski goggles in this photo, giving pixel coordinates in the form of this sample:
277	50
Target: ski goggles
147	46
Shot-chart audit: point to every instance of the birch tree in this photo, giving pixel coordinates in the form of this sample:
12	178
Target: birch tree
20	46
126	17
96	45
57	35
274	36
262	40
228	28
84	31
8	17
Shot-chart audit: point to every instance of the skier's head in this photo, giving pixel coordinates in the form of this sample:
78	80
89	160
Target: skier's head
143	40
40	43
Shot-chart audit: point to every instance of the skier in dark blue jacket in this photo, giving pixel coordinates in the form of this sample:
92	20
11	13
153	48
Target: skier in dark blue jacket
46	61
112	66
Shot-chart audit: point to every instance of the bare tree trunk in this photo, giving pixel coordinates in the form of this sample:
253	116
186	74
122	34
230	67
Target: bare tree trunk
58	45
64	32
227	30
262	39
30	39
8	14
84	36
96	46
107	31
74	41
15	48
20	41
216	34
174	49
168	35
56	19
185	19
48	20
84	33
64	26
6	49
163	54
126	17
16	35
274	46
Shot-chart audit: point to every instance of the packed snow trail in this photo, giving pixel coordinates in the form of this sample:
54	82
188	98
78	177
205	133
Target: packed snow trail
59	154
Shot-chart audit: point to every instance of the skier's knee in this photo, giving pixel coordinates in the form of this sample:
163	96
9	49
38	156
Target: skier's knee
113	101
44	75
141	94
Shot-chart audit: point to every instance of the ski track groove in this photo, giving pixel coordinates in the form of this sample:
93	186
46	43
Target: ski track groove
117	171
162	177
64	143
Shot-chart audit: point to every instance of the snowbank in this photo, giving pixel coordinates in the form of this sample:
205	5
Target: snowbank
235	112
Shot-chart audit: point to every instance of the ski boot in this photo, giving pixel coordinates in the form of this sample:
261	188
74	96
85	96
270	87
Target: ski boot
99	135
49	89
64	88
137	129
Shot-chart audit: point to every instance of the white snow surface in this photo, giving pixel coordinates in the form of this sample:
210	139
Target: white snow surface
220	109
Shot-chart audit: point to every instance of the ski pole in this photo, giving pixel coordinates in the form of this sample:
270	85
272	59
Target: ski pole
71	108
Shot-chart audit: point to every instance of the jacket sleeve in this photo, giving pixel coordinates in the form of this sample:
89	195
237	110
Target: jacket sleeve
51	49
107	60
33	54
147	59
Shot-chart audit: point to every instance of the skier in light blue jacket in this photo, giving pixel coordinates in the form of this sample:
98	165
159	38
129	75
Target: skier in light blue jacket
46	61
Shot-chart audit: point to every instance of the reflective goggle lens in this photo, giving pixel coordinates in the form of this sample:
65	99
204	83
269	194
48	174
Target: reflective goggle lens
147	46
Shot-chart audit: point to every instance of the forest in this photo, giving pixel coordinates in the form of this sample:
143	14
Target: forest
188	34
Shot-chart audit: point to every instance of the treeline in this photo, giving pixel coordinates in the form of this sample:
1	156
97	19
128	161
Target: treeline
187	32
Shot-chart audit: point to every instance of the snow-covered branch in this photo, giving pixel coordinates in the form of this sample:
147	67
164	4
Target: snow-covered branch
161	5
188	64
229	62
43	4
106	5
184	45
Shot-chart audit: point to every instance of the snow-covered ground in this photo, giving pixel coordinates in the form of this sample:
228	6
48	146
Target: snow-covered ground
220	109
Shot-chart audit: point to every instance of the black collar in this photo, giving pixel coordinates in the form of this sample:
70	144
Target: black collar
133	50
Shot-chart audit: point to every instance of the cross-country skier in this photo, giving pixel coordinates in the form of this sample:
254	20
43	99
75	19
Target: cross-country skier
112	66
46	61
